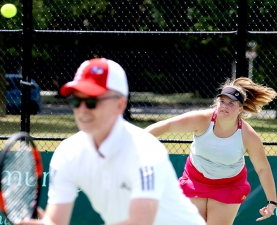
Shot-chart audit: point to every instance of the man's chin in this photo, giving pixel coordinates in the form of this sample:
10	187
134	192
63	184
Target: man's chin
86	129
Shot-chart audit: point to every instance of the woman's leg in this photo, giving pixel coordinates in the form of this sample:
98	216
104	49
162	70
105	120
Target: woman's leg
201	204
219	213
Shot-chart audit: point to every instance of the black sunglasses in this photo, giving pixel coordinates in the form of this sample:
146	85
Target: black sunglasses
75	102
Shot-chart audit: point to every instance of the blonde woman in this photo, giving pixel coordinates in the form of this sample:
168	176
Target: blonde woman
215	175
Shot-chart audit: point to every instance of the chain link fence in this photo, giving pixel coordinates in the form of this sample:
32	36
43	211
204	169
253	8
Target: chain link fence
175	53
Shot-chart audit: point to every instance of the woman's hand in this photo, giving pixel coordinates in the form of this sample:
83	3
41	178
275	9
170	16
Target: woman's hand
266	212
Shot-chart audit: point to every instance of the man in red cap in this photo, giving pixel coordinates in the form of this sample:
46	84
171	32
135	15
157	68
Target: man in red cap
124	171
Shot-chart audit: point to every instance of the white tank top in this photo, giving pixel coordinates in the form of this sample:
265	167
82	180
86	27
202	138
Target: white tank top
216	157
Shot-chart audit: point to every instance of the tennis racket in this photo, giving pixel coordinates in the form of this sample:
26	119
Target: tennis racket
20	175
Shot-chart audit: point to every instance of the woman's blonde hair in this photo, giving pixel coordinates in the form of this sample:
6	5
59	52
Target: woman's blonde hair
255	95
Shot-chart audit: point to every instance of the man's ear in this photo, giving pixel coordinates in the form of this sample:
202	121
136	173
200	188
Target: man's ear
122	103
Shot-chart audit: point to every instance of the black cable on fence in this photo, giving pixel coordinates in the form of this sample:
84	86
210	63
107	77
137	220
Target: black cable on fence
190	141
161	140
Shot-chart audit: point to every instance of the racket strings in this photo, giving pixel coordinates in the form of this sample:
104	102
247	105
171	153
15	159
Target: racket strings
19	181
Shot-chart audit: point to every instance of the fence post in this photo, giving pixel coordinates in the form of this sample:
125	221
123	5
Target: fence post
242	69
26	64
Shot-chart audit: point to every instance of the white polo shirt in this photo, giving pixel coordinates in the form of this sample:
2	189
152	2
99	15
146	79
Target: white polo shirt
134	164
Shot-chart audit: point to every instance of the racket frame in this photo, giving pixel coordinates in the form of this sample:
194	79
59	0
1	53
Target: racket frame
22	135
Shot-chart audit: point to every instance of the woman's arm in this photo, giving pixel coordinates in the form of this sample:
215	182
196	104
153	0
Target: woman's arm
194	121
255	149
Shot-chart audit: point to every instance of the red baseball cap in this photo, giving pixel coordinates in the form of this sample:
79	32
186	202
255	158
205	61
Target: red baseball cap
96	76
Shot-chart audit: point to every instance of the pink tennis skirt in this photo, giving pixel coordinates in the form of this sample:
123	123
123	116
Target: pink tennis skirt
232	190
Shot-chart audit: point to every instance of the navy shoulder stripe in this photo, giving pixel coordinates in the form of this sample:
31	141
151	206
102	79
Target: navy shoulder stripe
147	177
